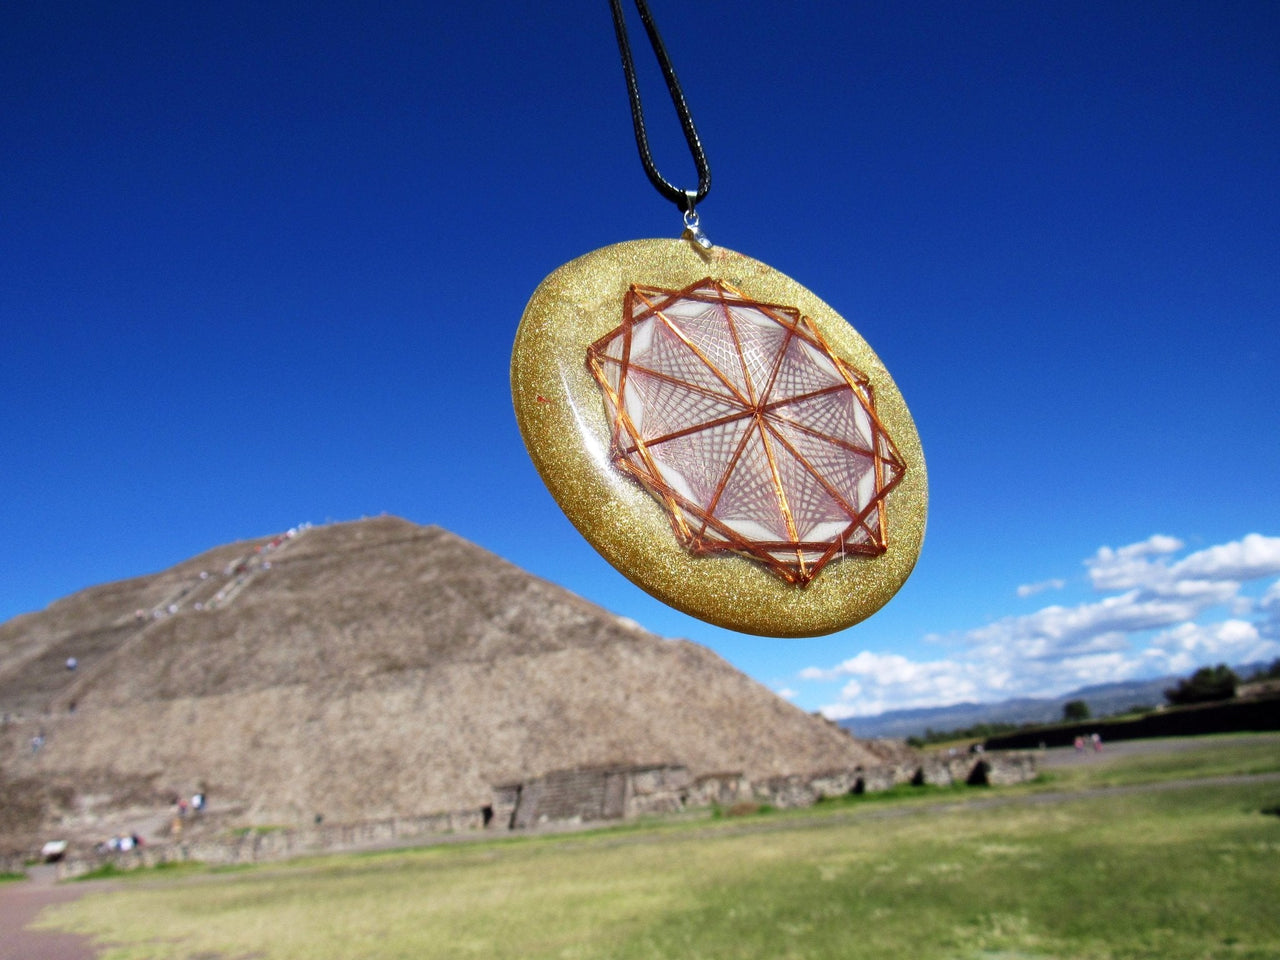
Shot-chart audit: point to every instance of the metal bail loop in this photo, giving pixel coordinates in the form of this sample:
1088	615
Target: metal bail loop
691	228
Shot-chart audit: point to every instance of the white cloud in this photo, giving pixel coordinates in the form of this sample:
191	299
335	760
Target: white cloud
1129	566
1155	545
882	681
1189	645
1031	589
1158	618
1269	606
1272	597
1207	592
1243	606
1057	631
1207	571
1251	558
786	693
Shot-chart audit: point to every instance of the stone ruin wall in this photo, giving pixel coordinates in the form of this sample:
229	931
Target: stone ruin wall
570	797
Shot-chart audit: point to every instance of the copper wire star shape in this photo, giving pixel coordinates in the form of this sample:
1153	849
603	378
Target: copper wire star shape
740	420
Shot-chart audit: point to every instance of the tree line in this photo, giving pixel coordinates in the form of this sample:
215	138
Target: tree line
1205	685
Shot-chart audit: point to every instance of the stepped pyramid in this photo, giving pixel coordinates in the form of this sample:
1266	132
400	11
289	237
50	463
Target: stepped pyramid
356	671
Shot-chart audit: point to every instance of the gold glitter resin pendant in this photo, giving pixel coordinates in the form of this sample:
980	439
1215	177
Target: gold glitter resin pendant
721	436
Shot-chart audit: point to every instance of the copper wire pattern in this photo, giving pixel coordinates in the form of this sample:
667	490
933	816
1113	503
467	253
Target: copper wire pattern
738	418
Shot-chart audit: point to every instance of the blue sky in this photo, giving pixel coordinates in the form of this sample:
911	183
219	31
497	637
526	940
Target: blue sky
263	264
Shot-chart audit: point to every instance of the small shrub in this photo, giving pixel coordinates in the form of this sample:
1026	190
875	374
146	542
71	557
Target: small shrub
105	872
748	808
1074	710
180	866
1206	685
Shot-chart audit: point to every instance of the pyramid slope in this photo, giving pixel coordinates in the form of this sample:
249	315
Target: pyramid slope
369	669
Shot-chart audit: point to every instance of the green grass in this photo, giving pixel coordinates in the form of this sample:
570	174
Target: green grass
7	876
260	830
1193	757
109	871
1177	873
927	793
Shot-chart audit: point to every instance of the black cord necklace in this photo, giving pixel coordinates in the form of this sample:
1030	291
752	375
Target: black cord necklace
719	433
686	200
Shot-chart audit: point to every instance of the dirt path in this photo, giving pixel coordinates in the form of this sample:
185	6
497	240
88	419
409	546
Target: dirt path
19	905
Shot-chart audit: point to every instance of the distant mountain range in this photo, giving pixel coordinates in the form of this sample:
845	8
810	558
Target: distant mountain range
1103	699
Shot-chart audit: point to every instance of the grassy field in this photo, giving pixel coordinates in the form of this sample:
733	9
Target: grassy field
1085	871
1136	761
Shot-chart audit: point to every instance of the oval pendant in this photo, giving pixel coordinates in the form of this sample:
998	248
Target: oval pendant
721	436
